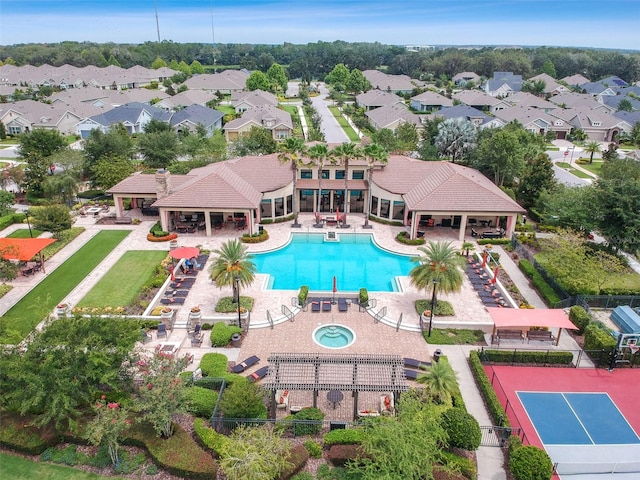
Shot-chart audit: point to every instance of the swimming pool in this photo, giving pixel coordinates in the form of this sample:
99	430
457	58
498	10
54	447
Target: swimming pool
354	260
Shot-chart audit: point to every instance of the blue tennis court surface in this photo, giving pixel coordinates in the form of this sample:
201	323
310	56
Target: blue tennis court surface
577	419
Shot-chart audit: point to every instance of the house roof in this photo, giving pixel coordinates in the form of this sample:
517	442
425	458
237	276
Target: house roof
464	111
514	82
551	84
437	186
23	249
188	97
526	99
465	76
258	115
432	98
196	114
575	80
575	100
145	184
392	83
255	98
385	117
528	116
377	98
130	113
224	81
476	98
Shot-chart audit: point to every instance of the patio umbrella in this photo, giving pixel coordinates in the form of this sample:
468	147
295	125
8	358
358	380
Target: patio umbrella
335	287
184	252
484	259
495	275
173	274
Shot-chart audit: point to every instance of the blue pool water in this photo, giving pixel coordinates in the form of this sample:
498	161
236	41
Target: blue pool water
334	336
355	261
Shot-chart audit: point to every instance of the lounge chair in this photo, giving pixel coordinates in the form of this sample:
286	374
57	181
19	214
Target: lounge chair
326	305
162	330
343	306
242	366
413	363
411	374
315	305
173	301
258	374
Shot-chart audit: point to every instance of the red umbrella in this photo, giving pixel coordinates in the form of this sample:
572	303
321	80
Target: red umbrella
484	259
335	287
173	276
495	275
184	252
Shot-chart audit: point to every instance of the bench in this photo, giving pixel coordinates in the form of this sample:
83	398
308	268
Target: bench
490	235
540	335
503	334
123	220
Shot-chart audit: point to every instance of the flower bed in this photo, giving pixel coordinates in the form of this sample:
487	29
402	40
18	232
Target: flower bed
152	238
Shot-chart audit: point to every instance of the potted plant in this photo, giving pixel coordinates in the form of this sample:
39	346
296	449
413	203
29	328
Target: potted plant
62	309
195	314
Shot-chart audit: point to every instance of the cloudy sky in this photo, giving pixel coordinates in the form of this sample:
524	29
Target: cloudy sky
582	23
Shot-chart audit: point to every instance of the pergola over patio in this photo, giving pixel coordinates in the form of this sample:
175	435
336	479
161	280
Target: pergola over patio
527	318
317	372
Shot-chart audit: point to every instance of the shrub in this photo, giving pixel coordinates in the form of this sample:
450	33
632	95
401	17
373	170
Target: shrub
462	428
548	294
580	318
314	449
213	364
456	463
297	459
345	436
364	297
221	334
404	237
17	435
484	385
530	463
10	219
302	295
494	241
339	455
308	413
255	238
227	305
243	400
530	357
443	308
201	401
595	338
208	437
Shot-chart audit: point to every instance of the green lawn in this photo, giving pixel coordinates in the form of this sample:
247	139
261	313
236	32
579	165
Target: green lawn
24	233
574	171
18	468
42	299
226	109
595	167
351	133
134	269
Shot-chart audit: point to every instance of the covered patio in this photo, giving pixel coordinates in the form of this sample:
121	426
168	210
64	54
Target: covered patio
528	321
25	249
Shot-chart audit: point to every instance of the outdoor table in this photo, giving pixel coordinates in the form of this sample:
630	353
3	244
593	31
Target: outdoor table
335	397
168	349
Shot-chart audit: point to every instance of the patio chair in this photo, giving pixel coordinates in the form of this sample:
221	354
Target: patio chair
343	306
413	363
196	341
146	336
241	225
411	374
258	374
242	366
173	301
326	305
315	305
196	332
162	330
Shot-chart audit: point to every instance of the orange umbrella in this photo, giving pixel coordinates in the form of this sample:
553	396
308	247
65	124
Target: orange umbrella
495	275
184	252
484	260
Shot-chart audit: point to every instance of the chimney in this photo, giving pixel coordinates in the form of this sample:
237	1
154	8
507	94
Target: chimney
163	183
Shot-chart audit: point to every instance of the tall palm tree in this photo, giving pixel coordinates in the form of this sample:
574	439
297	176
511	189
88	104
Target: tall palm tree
375	155
232	260
292	151
440	266
344	153
592	148
440	380
319	153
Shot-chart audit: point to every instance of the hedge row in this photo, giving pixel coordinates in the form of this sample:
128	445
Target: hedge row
16	434
494	241
580	318
489	395
595	338
404	237
548	295
10	219
522	356
255	238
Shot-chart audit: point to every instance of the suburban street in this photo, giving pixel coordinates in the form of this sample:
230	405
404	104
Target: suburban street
333	133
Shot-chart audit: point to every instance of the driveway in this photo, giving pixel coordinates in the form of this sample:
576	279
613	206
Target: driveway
333	132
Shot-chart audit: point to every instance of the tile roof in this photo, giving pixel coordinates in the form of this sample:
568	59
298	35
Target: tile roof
377	98
432	98
196	114
257	115
145	184
385	117
394	83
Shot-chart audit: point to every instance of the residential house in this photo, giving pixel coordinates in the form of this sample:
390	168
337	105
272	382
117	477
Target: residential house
598	125
535	120
134	116
188	119
391	83
430	102
575	80
26	115
579	101
377	98
185	99
481	100
258	188
552	87
277	121
226	82
478	118
391	117
598	90
243	101
525	99
462	79
503	84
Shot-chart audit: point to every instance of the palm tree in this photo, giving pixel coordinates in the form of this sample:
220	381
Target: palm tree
319	153
374	154
344	153
233	260
439	267
455	137
592	148
440	380
468	247
292	151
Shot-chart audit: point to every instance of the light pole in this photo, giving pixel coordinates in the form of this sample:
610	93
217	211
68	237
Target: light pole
26	212
237	299
433	305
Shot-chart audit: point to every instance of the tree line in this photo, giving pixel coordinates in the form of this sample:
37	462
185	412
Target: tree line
313	61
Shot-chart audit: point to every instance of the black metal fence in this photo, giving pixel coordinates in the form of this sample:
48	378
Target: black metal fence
496	436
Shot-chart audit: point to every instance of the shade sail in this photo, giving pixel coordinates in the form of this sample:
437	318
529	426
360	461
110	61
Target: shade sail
23	248
537	317
184	252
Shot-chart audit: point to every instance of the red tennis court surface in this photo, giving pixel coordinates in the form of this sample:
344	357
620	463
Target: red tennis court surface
622	385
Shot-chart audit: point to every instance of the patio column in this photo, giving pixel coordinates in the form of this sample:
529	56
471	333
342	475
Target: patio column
207	222
463	227
414	225
119	206
164	220
511	224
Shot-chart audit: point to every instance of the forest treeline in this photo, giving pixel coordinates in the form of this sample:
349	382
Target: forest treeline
314	60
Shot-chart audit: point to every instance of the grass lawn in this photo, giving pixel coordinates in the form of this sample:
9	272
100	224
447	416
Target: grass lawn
24	233
351	133
574	171
134	269
595	167
19	468
42	299
295	115
226	109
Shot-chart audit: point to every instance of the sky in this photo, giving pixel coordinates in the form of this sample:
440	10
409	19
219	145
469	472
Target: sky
580	23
